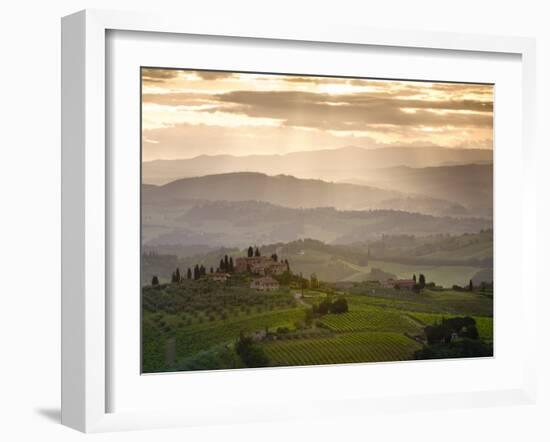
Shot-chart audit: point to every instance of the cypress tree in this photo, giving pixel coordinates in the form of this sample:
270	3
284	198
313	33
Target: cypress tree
189	275
250	252
155	281
257	252
222	265
422	281
196	272
226	263
178	276
231	265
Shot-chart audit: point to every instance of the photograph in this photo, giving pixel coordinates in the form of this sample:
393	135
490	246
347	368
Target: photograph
295	219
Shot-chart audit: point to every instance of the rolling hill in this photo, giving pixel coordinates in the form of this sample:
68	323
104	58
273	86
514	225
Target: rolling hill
334	164
239	223
469	185
288	191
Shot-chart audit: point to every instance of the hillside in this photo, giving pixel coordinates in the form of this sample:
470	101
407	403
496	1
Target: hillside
288	191
282	190
469	185
334	164
193	222
357	262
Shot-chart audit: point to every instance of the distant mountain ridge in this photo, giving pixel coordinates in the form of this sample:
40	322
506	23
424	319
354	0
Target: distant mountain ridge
331	164
470	185
454	191
282	190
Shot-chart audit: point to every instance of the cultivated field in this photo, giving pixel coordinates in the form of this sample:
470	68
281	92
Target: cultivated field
342	348
195	325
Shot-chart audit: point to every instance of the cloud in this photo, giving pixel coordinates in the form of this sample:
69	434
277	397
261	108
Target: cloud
355	111
213	75
179	99
223	112
157	75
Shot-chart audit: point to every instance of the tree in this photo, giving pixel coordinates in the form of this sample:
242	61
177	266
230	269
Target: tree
471	332
414	278
222	265
155	280
339	306
250	252
314	282
421	281
202	270
211	269
189	276
226	263
257	252
274	257
196	272
231	265
309	317
471	286
178	276
252	355
324	307
173	277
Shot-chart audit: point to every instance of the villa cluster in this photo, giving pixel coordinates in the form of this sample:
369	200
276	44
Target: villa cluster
260	265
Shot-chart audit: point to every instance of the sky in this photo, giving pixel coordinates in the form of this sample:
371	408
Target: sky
188	113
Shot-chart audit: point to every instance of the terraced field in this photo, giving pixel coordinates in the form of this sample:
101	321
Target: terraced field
196	325
343	348
372	319
432	301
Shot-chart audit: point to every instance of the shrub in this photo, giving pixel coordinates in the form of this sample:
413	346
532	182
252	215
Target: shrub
251	354
339	306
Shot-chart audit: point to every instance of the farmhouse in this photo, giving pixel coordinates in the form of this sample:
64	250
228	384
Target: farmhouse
406	284
260	265
218	276
265	284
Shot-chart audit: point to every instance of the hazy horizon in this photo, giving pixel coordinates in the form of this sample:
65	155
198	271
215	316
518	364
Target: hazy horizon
188	113
309	151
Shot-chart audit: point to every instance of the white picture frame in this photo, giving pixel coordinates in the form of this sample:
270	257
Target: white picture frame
86	202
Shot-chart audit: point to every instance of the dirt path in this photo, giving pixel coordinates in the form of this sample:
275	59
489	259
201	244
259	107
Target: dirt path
299	300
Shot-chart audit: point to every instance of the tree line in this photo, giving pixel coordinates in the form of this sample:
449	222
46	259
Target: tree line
226	265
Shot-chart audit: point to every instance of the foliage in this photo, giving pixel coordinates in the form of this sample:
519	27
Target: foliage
464	348
251	354
444	330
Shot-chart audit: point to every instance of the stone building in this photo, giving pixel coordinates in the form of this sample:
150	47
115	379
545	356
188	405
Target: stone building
266	283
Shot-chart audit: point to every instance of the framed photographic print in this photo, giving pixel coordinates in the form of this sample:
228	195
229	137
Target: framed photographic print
250	213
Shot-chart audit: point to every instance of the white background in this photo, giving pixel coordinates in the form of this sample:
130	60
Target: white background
30	219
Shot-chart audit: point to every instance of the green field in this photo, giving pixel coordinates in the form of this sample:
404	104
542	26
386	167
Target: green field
372	319
431	301
445	275
195	325
343	348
